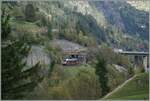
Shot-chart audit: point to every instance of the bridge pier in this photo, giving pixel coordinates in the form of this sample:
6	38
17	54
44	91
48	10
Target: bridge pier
142	62
140	59
146	63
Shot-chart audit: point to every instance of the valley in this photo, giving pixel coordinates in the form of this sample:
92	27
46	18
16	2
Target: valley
74	50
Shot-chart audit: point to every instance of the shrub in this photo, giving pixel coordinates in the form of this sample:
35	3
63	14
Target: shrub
84	86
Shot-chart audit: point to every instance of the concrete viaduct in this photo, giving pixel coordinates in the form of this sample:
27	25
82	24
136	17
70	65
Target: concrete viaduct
140	58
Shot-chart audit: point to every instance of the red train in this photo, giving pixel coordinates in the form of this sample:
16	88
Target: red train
70	61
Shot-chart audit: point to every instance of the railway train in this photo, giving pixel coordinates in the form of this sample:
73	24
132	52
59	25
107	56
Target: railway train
70	61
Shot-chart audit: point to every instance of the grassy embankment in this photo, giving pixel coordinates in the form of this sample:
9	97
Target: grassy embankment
136	89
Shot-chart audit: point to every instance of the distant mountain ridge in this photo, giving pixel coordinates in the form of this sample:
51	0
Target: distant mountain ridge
125	17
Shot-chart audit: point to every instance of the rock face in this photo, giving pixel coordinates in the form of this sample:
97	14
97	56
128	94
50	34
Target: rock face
120	68
66	45
37	54
125	16
140	4
110	13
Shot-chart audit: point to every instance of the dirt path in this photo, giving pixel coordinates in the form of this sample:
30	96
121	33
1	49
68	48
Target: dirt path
118	87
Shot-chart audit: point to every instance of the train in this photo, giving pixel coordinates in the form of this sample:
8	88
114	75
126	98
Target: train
70	61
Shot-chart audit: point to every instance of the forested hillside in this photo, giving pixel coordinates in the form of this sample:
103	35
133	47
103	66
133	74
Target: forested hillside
129	20
113	23
35	35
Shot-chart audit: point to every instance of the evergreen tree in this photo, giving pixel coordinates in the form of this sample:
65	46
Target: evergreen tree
30	13
101	72
16	83
5	25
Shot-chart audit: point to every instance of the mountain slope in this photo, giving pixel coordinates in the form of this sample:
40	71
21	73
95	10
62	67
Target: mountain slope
140	4
125	17
51	27
88	23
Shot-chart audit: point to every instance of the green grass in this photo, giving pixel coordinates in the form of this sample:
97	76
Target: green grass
136	89
72	71
24	27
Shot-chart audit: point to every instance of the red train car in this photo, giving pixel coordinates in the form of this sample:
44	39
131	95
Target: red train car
72	61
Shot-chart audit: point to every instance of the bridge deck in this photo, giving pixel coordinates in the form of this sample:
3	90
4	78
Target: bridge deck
134	53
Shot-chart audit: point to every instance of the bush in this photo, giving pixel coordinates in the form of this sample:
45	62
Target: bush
82	86
85	86
115	77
